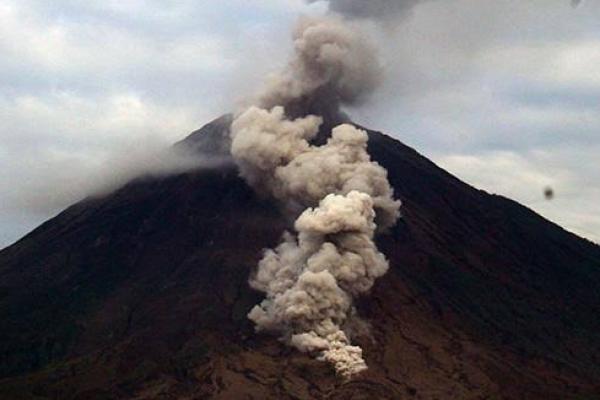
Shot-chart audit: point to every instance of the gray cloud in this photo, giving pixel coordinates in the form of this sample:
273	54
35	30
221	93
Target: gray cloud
478	79
374	9
71	104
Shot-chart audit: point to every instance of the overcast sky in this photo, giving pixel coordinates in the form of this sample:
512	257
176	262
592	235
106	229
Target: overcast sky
503	93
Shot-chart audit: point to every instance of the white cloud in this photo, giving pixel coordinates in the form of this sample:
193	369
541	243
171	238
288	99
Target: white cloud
102	50
59	148
86	84
524	177
505	95
571	64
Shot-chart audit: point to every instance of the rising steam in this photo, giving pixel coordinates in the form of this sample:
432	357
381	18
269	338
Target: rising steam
342	197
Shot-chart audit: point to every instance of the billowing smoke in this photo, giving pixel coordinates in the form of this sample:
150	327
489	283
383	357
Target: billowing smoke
338	194
275	155
310	280
332	60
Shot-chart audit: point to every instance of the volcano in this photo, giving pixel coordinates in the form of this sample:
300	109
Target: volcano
143	294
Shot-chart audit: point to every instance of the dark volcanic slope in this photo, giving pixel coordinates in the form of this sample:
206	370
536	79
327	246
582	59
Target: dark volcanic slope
143	294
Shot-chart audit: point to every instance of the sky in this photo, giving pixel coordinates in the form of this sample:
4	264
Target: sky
504	94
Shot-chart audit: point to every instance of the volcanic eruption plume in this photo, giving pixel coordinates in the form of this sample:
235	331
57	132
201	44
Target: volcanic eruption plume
372	9
332	61
339	196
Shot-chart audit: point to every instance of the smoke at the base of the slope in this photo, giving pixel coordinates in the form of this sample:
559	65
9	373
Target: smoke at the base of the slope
311	280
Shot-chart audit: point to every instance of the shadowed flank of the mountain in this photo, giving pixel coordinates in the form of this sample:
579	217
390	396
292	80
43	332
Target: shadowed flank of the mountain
143	294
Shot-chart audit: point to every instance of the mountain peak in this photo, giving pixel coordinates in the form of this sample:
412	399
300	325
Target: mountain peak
143	294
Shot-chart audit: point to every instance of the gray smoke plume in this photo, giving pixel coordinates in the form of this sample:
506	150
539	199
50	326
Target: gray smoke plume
372	9
331	59
341	196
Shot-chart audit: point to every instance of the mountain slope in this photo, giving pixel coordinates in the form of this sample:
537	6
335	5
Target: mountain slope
143	294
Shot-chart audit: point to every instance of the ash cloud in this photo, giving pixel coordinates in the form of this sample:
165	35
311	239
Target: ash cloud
311	280
371	9
275	156
332	61
338	194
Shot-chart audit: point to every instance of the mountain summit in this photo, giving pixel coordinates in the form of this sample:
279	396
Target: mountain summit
143	294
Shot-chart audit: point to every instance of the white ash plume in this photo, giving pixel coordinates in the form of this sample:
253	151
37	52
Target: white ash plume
311	281
342	197
275	156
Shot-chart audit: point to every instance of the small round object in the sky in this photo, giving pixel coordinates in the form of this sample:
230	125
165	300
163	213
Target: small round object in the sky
548	193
